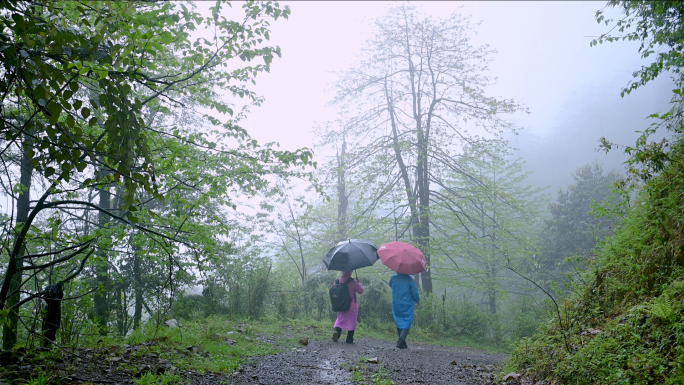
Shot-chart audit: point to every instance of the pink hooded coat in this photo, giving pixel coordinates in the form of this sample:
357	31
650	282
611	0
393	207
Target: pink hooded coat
347	319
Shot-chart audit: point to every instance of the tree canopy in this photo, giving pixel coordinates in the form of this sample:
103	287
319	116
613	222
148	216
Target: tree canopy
97	99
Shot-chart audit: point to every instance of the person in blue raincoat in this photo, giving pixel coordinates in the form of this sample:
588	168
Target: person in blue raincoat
404	297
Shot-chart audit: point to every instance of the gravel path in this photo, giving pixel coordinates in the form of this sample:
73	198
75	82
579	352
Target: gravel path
320	362
327	362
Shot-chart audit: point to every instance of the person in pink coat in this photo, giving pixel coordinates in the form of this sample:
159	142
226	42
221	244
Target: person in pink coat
347	319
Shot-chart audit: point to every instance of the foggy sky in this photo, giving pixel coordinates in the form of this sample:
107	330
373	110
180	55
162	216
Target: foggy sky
544	60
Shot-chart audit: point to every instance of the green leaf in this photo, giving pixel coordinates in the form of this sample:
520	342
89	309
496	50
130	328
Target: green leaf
55	110
85	112
99	55
166	37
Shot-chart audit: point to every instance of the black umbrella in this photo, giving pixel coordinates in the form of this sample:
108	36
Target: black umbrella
350	255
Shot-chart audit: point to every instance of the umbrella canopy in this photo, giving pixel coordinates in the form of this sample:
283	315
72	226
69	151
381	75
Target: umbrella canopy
402	258
350	255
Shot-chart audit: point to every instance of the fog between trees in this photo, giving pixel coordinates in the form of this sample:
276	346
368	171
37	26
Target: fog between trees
141	183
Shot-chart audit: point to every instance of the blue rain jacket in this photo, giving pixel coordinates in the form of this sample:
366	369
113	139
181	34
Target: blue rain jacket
404	297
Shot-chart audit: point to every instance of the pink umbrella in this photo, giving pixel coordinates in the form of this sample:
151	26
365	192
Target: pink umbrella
402	258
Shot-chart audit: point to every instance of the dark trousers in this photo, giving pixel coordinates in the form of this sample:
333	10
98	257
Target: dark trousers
350	335
402	334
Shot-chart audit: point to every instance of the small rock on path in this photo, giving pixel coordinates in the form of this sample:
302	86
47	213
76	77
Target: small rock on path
323	362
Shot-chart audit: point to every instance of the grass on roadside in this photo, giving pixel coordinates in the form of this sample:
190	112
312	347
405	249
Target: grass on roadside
363	372
216	344
160	379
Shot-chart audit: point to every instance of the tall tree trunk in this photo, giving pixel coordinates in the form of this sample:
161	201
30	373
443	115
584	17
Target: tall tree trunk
10	329
102	266
421	231
342	197
421	211
137	285
491	268
422	228
120	311
421	224
415	216
491	287
120	302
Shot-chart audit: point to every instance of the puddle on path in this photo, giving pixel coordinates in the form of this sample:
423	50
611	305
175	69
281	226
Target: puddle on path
322	363
334	376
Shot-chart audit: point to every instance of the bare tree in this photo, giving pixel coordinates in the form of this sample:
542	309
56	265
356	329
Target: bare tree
418	89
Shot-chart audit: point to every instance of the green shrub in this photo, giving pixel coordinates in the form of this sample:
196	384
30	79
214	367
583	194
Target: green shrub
375	305
190	306
625	325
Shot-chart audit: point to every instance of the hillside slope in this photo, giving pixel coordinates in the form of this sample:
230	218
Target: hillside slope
625	324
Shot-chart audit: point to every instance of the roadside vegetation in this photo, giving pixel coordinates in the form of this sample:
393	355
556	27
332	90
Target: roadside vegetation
623	323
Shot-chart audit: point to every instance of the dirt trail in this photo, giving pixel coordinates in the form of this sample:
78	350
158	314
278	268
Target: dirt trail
321	362
327	362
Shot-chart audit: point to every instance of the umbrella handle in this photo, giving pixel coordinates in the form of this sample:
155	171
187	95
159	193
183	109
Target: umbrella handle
356	274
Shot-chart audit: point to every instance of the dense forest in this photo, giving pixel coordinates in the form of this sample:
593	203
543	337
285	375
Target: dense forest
136	202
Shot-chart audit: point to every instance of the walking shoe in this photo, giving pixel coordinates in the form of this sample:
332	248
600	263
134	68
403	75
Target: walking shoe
335	336
402	345
350	337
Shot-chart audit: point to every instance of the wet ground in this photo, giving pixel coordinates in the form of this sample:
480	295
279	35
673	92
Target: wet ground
368	361
116	364
327	362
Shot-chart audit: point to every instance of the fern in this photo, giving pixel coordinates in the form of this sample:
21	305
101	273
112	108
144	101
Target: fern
662	307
